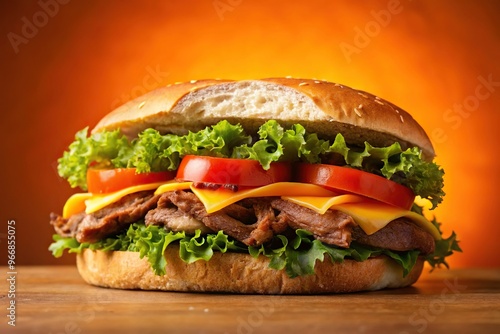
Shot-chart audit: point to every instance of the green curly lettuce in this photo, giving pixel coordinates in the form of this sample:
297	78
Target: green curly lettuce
423	178
298	257
407	167
274	144
152	152
151	242
98	148
145	153
444	247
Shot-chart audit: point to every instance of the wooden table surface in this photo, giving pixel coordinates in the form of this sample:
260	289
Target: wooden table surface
54	299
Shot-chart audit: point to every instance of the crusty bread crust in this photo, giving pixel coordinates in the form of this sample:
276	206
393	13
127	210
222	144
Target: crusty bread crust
323	107
239	273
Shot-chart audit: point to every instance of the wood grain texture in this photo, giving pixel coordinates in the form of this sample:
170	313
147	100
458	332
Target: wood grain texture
54	299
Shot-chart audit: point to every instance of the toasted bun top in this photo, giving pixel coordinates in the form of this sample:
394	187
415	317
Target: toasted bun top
322	107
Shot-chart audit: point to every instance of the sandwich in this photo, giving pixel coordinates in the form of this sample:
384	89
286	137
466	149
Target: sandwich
271	186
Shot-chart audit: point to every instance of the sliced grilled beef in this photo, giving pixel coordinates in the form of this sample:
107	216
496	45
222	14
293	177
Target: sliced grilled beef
107	221
251	221
252	235
399	235
243	213
267	223
170	216
333	227
66	227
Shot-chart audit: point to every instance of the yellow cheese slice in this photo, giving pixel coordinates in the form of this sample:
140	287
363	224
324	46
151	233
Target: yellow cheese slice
214	200
91	203
171	186
75	204
371	216
322	204
99	201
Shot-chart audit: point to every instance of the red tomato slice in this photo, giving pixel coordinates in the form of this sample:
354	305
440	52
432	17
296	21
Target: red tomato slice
241	172
357	182
101	181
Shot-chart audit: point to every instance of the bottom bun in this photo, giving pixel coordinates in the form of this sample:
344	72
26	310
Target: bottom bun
239	273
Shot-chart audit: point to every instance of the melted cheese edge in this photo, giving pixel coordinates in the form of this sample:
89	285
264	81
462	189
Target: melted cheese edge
370	215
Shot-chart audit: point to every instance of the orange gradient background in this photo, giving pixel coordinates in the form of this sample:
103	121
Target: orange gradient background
427	57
